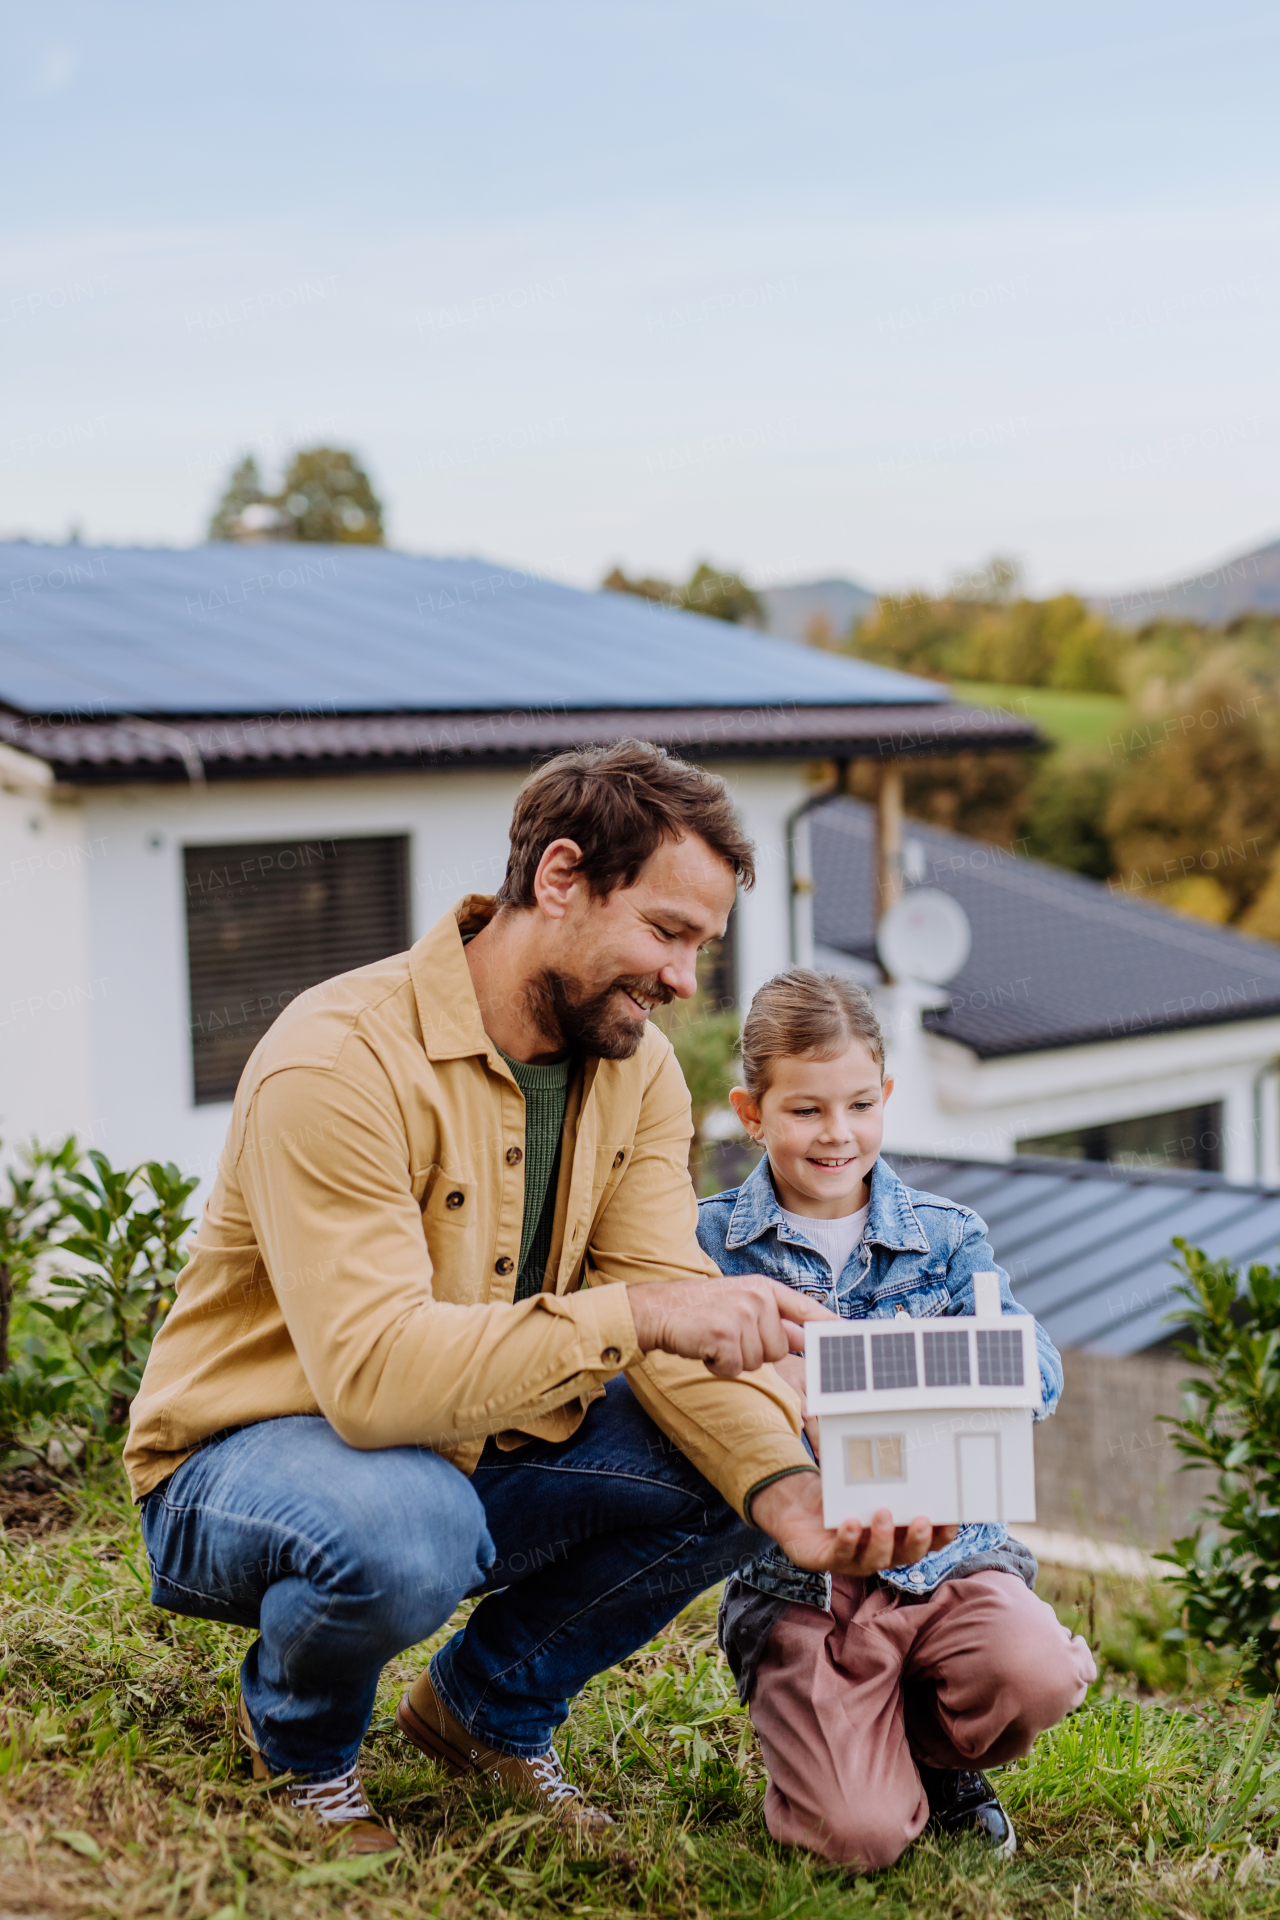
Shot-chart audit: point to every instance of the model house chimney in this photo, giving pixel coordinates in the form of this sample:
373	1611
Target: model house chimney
986	1296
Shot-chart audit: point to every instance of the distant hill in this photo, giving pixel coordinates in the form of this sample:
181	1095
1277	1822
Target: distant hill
1249	584
790	610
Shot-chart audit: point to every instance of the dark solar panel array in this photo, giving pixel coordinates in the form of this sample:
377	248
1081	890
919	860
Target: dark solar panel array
893	1360
842	1363
1000	1357
946	1357
318	629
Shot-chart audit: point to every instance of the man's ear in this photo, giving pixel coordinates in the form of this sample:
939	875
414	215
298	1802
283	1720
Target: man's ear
557	876
746	1109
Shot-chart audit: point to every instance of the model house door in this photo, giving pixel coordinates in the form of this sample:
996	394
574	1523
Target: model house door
978	1470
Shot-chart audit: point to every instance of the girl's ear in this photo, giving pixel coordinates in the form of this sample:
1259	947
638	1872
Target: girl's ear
746	1109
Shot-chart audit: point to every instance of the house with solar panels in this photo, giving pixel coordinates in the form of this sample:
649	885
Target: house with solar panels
229	772
1084	1024
927	1416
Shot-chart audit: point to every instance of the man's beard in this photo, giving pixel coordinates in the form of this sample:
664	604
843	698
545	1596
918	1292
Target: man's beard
593	1023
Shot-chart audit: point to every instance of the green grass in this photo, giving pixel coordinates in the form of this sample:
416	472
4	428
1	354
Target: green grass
121	1792
1068	719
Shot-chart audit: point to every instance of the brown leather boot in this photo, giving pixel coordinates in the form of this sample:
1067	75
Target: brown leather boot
427	1723
337	1808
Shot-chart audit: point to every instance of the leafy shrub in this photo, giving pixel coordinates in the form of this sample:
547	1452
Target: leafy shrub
89	1256
1229	1569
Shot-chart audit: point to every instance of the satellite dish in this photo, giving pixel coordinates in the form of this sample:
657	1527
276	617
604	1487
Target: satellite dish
924	936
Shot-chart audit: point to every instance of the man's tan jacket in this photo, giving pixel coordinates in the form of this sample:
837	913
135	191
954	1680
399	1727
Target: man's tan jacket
358	1253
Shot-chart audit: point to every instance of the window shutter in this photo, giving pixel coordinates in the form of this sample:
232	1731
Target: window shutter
268	919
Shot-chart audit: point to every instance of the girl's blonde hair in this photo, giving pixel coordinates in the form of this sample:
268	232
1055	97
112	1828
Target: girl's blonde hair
818	1015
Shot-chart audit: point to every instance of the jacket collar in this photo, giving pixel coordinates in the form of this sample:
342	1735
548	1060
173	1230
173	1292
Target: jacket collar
447	1006
891	1218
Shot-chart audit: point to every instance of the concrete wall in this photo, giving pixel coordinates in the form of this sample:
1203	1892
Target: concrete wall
1104	1463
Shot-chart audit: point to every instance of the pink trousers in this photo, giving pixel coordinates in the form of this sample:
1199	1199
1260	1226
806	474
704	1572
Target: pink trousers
845	1703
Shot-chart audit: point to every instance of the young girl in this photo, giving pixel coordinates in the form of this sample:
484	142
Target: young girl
877	1701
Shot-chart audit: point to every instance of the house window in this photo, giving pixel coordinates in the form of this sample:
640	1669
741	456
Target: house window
718	968
1186	1137
268	919
876	1458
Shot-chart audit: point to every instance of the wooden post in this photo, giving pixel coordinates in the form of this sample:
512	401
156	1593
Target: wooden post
889	839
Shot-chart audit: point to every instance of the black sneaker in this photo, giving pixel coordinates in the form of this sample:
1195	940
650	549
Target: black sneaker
961	1802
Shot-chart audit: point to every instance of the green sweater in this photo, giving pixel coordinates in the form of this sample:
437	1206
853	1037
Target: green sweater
546	1091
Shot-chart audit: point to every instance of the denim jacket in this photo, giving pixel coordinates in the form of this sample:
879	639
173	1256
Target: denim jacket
918	1255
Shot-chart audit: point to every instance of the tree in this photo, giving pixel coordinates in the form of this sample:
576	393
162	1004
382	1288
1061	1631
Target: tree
708	590
722	596
244	489
327	496
662	591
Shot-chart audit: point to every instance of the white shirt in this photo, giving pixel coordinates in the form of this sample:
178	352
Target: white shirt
834	1239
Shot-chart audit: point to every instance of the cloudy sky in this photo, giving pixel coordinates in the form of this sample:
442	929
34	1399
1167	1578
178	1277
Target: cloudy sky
808	286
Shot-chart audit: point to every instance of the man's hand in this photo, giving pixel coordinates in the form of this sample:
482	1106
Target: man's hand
734	1326
791	1511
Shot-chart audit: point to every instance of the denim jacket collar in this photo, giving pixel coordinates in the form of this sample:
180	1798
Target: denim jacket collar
891	1218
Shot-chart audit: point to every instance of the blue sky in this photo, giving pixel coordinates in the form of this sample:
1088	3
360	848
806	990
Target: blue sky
804	288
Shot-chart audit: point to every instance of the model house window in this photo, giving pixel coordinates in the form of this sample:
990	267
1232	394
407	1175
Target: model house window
878	1458
268	919
1186	1137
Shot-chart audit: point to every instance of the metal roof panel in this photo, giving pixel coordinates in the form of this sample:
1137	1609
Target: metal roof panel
1103	1281
1057	960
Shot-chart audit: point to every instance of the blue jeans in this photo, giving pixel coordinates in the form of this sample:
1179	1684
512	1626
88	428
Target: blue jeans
342	1559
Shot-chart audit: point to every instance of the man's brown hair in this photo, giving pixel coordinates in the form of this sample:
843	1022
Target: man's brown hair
618	804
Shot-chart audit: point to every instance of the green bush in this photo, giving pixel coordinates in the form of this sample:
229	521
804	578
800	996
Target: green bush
89	1256
1230	1567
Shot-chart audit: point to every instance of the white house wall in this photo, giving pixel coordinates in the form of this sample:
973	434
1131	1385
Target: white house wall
49	991
766	793
94	970
457	826
979	1109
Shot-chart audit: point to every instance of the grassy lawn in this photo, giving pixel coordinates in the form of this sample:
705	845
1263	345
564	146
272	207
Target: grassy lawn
1068	719
121	1792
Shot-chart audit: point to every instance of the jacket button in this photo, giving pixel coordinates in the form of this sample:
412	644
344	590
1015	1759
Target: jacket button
611	1356
514	1156
619	1157
505	1265
453	1199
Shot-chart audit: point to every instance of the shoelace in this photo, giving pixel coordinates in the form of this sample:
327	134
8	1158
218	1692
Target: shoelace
339	1799
545	1768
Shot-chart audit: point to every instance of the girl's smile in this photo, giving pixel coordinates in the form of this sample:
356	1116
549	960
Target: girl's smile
821	1122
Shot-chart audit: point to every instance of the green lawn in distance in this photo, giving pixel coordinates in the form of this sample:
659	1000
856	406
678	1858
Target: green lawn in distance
1069	719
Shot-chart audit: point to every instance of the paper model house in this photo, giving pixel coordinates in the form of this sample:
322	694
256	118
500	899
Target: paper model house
927	1416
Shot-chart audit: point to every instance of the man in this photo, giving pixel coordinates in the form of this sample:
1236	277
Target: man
447	1314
